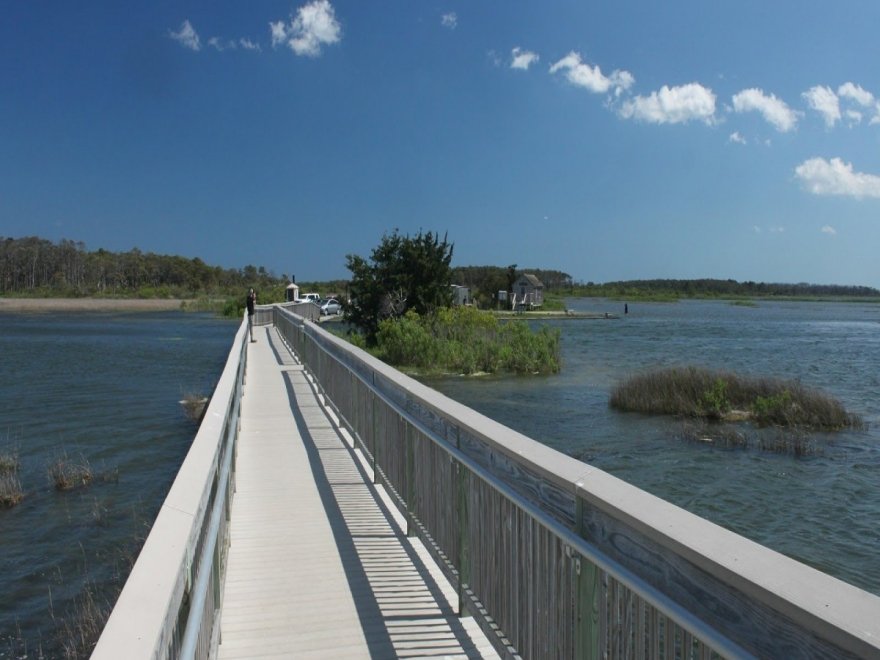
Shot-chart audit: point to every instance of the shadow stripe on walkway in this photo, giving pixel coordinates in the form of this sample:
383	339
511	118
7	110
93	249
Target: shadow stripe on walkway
318	564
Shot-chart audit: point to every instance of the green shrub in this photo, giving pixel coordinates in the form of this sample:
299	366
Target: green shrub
714	401
405	340
466	340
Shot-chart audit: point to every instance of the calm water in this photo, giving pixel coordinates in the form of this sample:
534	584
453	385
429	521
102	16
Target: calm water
823	510
105	387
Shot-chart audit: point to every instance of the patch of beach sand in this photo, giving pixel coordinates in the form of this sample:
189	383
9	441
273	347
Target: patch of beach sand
89	304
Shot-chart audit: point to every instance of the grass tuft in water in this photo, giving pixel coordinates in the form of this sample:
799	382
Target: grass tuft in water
194	405
725	396
11	492
792	442
66	473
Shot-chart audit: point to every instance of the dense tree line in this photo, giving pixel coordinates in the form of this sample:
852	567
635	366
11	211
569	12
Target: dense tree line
719	288
35	266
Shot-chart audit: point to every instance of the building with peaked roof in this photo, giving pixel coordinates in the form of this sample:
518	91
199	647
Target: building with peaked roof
528	292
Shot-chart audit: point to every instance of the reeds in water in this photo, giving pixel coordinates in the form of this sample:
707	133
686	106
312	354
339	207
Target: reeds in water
793	442
66	473
11	492
720	395
194	405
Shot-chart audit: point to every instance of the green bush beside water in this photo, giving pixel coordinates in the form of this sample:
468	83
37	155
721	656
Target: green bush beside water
465	340
693	392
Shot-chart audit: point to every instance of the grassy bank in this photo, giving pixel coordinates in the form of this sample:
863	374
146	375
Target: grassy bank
701	393
463	340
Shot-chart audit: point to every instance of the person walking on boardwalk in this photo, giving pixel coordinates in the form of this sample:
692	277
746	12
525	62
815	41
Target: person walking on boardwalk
250	302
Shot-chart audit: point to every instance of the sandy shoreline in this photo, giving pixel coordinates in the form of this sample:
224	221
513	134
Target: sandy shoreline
88	305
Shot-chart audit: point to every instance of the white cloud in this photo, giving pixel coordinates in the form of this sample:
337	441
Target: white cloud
855	92
757	229
221	45
522	59
776	230
834	177
449	20
736	137
828	229
824	101
673	105
592	78
314	26
854	116
774	110
278	33
186	36
862	97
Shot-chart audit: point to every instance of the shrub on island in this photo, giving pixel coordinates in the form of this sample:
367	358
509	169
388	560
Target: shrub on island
467	341
718	395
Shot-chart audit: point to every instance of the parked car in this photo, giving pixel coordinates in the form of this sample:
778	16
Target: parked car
311	297
331	306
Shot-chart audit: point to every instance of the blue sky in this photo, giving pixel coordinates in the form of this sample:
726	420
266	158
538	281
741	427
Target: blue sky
609	140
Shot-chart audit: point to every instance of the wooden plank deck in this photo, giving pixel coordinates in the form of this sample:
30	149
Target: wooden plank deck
319	564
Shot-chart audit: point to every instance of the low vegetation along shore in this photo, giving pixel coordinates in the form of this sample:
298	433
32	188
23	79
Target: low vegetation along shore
723	396
463	340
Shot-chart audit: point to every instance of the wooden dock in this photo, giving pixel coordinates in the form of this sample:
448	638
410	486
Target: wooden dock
319	564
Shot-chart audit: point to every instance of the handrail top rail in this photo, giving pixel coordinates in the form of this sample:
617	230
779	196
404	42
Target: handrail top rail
142	617
843	613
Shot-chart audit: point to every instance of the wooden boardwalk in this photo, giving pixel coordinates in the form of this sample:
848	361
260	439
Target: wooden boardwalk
319	564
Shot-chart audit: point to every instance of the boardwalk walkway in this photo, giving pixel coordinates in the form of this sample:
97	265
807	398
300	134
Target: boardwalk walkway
319	565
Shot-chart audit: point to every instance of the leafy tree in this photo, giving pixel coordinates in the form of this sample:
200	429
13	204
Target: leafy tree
403	273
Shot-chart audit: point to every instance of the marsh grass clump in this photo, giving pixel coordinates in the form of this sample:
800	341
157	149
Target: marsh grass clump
194	405
66	473
715	435
81	628
9	461
793	442
724	396
11	492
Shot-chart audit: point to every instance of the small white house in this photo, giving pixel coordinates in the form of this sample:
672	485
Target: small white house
461	295
528	292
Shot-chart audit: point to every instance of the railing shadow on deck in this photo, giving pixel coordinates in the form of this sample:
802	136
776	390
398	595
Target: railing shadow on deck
353	519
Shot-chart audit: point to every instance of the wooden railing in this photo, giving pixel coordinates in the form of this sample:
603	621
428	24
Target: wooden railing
557	559
170	604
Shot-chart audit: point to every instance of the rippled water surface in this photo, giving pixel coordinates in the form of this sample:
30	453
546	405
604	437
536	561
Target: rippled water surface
823	510
104	387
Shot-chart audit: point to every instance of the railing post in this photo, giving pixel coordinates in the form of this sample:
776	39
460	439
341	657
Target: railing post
374	450
409	495
462	477
586	580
